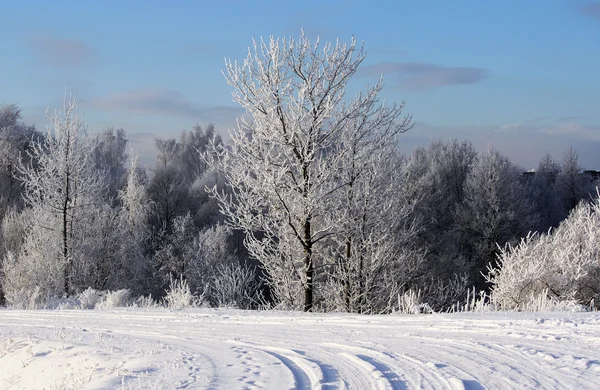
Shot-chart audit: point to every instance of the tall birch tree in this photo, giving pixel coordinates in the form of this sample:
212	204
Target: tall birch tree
283	164
63	192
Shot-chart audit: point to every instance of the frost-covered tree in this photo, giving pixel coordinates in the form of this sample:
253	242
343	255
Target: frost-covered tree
206	207
543	193
217	273
208	264
63	193
571	185
180	205
136	204
282	164
110	157
496	209
10	115
371	240
15	141
134	220
548	170
434	180
191	142
167	187
172	186
177	249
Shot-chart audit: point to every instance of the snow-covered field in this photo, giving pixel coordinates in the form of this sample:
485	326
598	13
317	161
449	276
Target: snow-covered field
231	349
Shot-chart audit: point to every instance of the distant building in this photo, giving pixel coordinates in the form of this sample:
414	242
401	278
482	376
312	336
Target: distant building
529	174
595	175
592	174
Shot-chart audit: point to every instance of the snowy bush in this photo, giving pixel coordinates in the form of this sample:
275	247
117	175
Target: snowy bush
25	299
441	294
146	302
563	265
417	302
179	295
545	302
436	295
14	228
215	272
411	302
235	285
211	248
89	298
474	302
112	299
61	303
408	303
30	277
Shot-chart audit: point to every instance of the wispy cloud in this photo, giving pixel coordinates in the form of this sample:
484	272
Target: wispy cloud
60	52
162	102
423	76
510	126
581	131
591	9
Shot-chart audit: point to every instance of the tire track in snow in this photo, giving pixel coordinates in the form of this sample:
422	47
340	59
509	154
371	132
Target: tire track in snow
502	367
470	362
302	376
392	371
307	372
352	372
380	373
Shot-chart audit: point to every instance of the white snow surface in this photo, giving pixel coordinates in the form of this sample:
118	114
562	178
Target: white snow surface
233	349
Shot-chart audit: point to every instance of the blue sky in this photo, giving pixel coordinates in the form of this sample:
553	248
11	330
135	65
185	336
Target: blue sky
522	76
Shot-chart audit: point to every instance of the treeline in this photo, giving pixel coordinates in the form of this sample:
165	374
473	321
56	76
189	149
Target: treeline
78	212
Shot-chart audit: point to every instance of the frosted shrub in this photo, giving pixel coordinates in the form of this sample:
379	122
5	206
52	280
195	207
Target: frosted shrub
411	303
89	298
60	303
235	285
25	299
545	302
441	294
563	265
332	296
179	295
474	302
215	272
15	226
112	299
213	249
145	302
29	279
408	303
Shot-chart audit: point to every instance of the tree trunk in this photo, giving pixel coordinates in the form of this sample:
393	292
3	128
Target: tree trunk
347	274
309	266
361	285
65	237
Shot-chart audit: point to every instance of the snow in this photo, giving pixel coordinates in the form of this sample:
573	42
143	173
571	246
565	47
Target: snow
232	349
